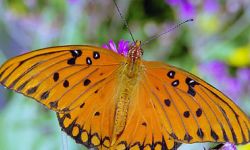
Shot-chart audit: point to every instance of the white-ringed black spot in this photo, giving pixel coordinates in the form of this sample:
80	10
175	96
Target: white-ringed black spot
186	114
45	95
76	53
71	61
190	82
97	113
86	82
56	76
175	83
167	102
171	74
214	135
96	55
88	61
32	90
200	133
198	112
66	83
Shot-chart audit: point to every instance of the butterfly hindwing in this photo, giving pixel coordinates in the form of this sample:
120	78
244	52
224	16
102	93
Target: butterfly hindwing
196	111
91	122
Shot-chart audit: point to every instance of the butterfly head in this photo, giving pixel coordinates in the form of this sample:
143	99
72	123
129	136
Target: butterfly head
135	51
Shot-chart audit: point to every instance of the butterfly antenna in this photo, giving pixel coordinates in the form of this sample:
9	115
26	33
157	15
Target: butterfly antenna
124	20
159	35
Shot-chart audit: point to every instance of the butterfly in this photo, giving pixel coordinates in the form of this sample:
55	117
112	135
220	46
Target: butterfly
109	100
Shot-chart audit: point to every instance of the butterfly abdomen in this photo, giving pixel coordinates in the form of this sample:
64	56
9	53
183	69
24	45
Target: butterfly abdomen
128	85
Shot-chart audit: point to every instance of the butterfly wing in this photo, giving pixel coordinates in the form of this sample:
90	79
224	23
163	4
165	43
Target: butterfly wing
193	110
58	77
144	129
92	122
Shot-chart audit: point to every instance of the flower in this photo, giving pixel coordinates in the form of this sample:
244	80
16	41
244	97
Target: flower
228	146
218	73
185	7
123	47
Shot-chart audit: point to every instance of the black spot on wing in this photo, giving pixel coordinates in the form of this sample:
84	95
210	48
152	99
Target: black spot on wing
20	88
86	82
188	137
56	76
53	104
81	106
214	135
198	112
66	83
175	83
97	113
72	61
88	61
191	84
186	114
171	74
167	102
96	55
225	135
76	53
200	133
45	95
32	90
173	136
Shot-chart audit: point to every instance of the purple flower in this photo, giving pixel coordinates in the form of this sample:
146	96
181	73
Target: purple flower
185	7
219	75
73	1
228	146
123	47
211	6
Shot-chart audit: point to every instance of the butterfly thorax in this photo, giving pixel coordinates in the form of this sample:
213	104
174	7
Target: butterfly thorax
134	56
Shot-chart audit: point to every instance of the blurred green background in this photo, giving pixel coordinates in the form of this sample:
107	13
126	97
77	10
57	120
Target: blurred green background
216	47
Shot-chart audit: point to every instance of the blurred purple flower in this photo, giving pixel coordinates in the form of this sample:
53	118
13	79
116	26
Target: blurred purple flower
244	74
185	7
228	146
211	6
73	1
234	87
123	47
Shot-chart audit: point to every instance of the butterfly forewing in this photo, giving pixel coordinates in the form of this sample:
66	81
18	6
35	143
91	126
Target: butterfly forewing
59	76
201	112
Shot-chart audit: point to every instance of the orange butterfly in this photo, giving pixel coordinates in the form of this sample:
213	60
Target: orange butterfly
107	100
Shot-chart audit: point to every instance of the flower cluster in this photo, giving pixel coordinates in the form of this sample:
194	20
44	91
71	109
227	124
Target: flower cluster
123	47
233	86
